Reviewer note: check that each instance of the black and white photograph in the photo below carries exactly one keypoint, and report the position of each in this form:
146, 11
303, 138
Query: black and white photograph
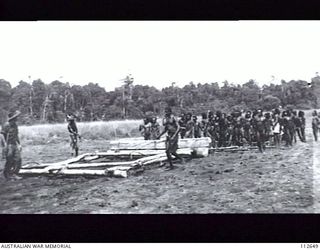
160, 117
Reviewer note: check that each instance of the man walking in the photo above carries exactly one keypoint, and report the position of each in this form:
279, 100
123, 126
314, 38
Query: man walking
171, 127
12, 147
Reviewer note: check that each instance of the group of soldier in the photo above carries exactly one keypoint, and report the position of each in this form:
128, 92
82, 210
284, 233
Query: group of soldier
239, 128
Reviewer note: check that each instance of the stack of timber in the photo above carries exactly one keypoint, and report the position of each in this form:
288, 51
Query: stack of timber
236, 148
125, 157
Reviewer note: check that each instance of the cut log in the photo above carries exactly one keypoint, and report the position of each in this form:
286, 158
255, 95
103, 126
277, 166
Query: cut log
64, 171
139, 162
159, 144
140, 152
122, 166
76, 162
236, 148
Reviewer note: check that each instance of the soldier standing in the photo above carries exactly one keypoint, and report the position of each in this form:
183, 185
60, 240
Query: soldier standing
73, 131
171, 127
12, 147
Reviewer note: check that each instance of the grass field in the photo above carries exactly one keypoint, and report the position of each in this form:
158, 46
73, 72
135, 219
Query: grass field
53, 133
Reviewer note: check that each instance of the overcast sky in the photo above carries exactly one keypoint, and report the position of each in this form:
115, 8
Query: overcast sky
158, 53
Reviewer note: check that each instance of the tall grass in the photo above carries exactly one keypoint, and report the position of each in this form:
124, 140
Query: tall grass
53, 133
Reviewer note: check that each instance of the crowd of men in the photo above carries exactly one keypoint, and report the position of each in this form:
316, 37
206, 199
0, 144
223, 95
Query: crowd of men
239, 128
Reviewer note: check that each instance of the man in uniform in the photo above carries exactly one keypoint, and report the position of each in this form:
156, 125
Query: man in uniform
12, 147
73, 131
171, 127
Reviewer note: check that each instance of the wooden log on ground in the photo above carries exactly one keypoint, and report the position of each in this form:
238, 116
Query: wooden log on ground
122, 172
82, 167
236, 148
159, 144
77, 162
139, 162
110, 172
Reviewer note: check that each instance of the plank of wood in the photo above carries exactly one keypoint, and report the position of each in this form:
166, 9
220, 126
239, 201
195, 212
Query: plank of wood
159, 144
64, 171
76, 162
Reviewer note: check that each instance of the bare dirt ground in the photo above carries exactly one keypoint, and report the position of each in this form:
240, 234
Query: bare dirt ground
279, 181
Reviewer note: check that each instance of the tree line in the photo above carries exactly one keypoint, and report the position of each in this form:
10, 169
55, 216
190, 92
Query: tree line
42, 102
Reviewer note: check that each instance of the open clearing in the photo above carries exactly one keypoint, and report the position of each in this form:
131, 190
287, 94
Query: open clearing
279, 181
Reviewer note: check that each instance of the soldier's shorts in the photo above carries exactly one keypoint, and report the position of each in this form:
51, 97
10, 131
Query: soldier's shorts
13, 160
